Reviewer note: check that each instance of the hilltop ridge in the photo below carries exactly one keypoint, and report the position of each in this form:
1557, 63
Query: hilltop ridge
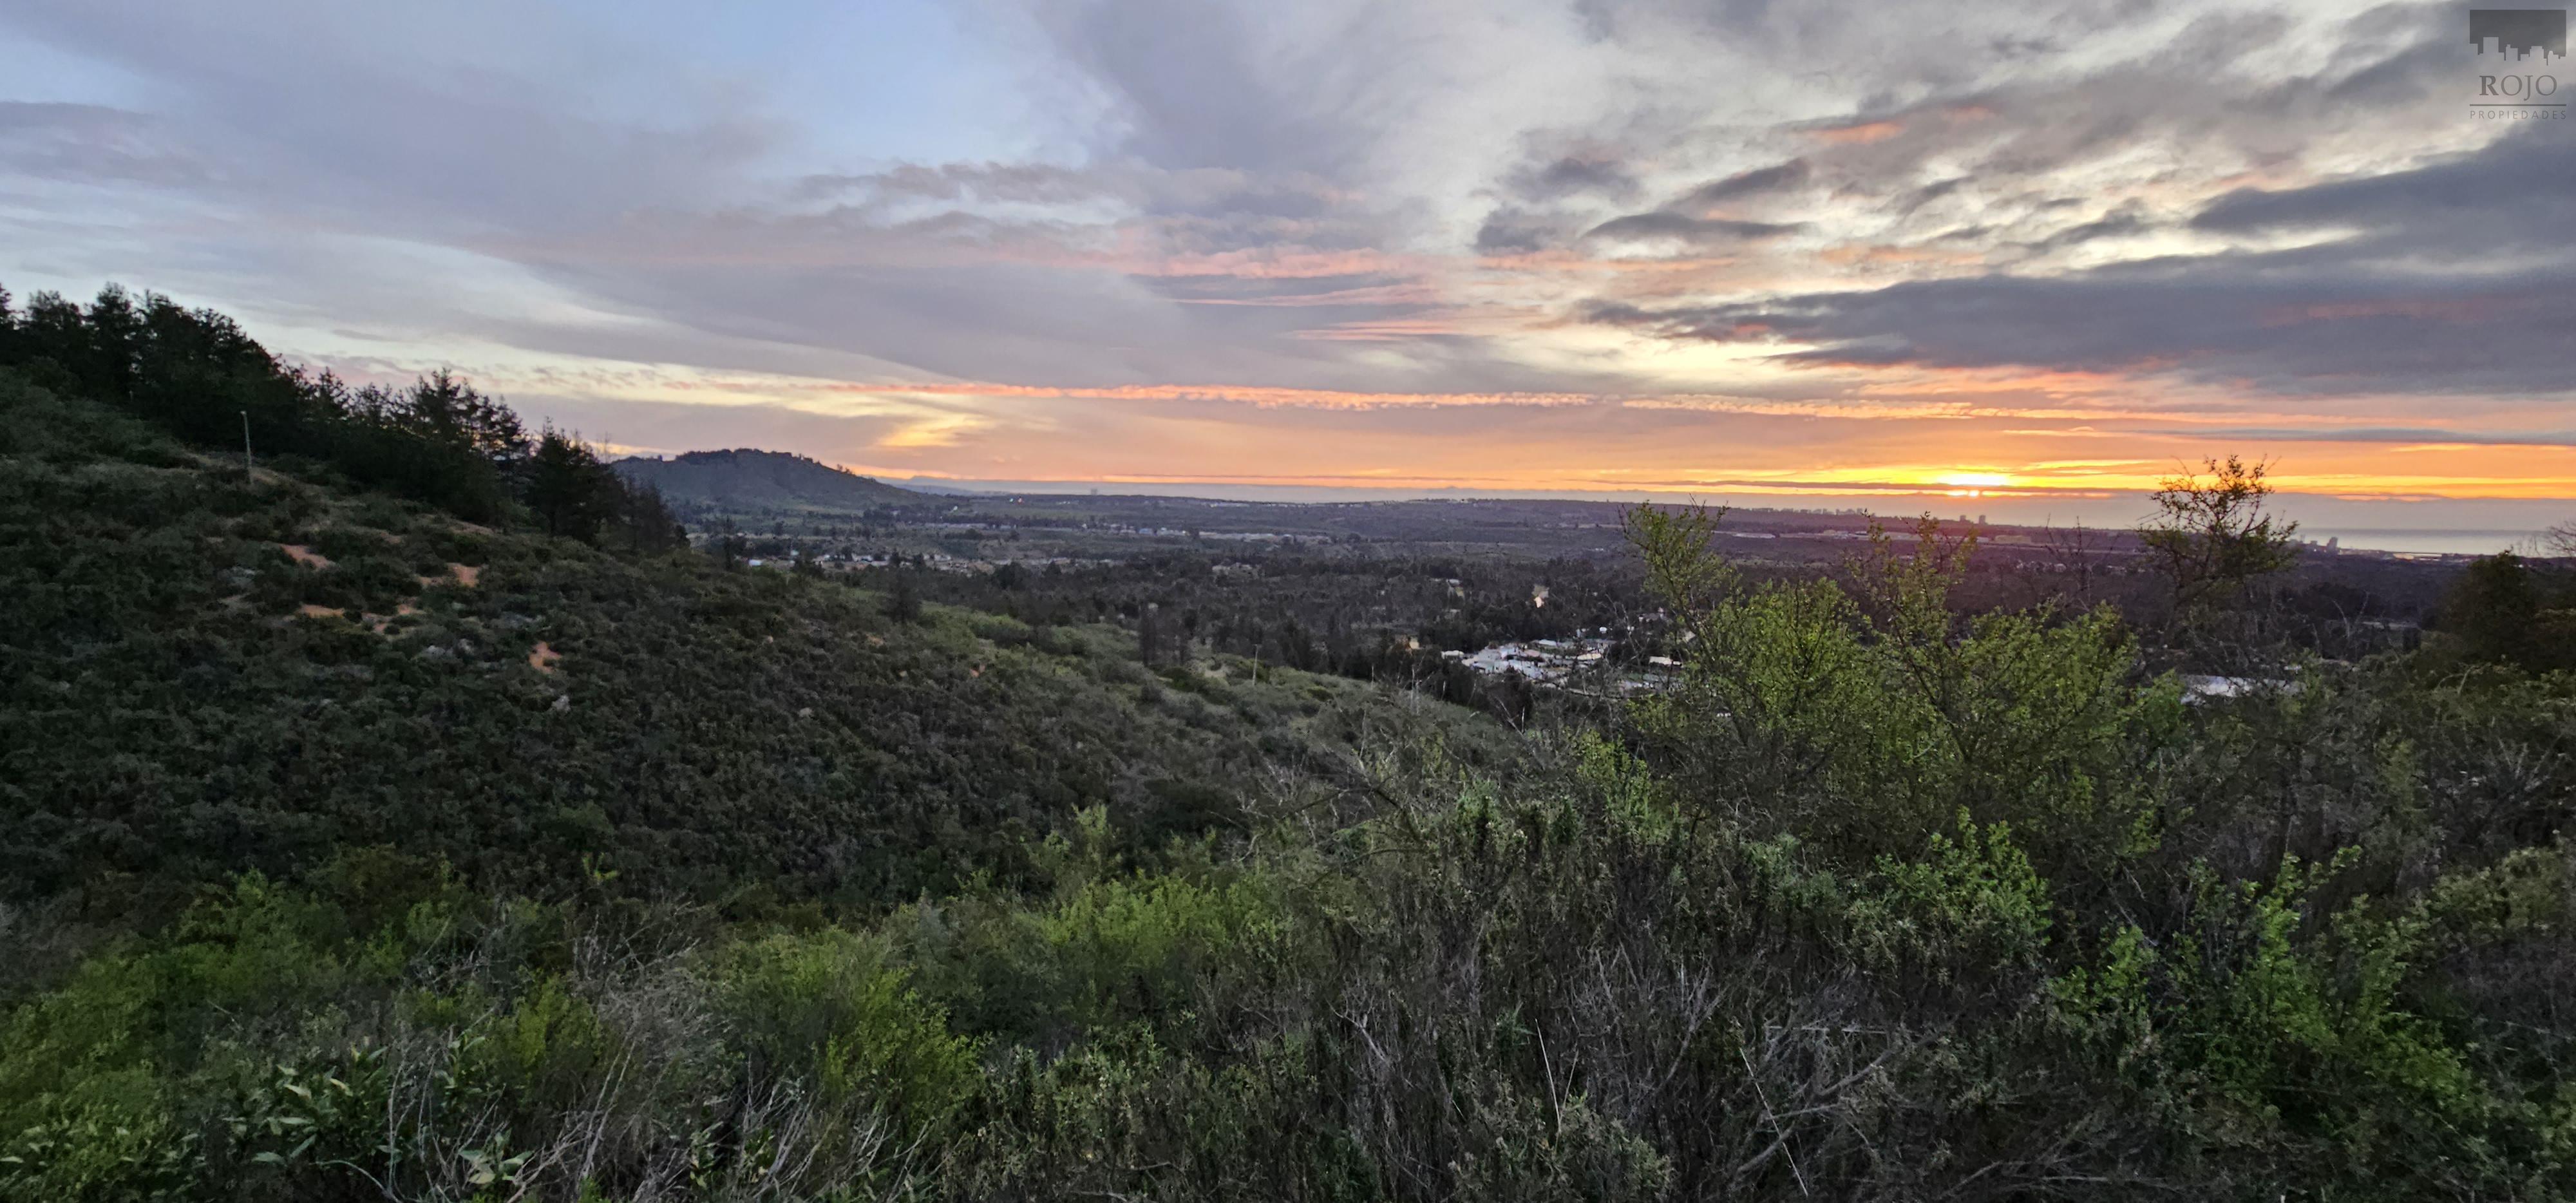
750, 478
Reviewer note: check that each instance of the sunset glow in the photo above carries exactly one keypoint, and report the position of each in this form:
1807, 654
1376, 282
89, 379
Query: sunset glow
1623, 249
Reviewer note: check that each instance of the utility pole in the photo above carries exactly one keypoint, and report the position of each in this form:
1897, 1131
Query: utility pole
247, 466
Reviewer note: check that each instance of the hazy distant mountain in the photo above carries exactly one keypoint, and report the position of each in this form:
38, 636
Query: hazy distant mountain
920, 485
748, 479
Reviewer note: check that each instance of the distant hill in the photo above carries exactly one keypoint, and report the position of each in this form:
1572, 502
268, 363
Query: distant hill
749, 479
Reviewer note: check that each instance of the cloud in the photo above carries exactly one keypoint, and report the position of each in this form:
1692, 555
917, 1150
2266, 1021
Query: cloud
1239, 394
1695, 231
1702, 232
1587, 170
2447, 278
1515, 231
1761, 181
1193, 87
1692, 221
2127, 221
2402, 435
2514, 199
2242, 321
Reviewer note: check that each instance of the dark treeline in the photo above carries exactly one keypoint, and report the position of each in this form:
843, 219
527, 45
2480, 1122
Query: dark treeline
2508, 610
196, 374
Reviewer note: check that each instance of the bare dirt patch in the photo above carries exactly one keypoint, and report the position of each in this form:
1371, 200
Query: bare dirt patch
309, 610
542, 658
463, 576
305, 555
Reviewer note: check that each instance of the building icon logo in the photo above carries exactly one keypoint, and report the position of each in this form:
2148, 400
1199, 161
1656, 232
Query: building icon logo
2515, 50
2519, 33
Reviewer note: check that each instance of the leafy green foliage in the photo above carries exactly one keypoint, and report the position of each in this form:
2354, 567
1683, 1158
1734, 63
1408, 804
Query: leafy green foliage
1863, 719
2211, 534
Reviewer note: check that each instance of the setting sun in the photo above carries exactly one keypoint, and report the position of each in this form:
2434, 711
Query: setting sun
1972, 481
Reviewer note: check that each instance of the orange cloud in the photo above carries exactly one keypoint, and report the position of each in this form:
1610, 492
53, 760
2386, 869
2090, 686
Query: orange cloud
1386, 294
1863, 254
1264, 396
1388, 331
1861, 134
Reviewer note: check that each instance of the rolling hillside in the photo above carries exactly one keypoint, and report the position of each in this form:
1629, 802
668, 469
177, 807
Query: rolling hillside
209, 675
746, 481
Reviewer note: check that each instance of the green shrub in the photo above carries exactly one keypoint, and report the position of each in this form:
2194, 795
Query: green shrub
831, 1010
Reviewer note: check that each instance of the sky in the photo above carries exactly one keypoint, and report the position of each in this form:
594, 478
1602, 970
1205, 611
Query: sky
2021, 259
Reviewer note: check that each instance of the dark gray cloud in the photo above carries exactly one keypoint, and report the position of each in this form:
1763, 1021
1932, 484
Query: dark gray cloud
1689, 220
2515, 197
2454, 279
1576, 174
1516, 231
1918, 197
2008, 161
2126, 221
2249, 320
1761, 181
1696, 231
2225, 92
1546, 198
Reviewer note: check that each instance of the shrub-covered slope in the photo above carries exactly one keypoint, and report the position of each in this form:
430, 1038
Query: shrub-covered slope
207, 674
